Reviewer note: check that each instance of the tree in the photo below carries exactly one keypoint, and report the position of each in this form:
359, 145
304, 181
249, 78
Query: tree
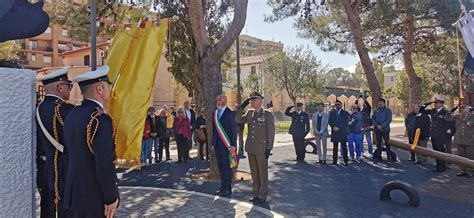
404, 28
334, 25
340, 77
252, 81
208, 56
296, 70
9, 55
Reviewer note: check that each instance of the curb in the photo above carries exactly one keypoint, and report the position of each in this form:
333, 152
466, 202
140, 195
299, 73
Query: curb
228, 200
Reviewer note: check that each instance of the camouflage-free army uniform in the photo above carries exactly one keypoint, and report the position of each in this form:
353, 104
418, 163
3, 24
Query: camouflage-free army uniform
260, 138
464, 136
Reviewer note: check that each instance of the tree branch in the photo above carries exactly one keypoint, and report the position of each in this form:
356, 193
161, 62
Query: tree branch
238, 22
201, 39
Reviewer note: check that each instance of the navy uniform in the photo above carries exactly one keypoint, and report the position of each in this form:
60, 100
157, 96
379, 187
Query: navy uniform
299, 129
51, 152
258, 145
89, 132
438, 131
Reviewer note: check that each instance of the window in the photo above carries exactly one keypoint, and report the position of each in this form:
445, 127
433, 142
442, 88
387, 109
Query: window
47, 59
33, 57
87, 60
62, 47
33, 45
392, 78
65, 32
48, 30
253, 69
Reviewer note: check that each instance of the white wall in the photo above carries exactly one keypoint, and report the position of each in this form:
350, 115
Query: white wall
17, 143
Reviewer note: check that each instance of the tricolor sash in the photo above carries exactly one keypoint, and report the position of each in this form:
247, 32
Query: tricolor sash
225, 139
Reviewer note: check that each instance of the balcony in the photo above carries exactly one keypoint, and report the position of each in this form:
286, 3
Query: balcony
35, 48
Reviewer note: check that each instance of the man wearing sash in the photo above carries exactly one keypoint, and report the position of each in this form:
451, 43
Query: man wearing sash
224, 141
91, 184
51, 155
259, 143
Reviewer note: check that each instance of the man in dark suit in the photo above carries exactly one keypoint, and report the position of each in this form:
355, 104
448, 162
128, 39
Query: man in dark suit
422, 122
152, 118
51, 151
438, 129
91, 184
299, 129
339, 122
224, 141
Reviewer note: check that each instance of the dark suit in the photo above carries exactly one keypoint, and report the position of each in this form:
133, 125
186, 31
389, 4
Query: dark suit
46, 170
299, 129
341, 121
438, 129
229, 125
91, 180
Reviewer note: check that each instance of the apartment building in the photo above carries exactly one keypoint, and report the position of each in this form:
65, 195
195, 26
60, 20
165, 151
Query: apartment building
252, 46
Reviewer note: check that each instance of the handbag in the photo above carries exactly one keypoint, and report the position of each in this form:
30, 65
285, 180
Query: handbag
201, 135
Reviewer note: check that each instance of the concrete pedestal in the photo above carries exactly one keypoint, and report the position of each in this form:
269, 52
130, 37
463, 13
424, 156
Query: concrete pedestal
17, 143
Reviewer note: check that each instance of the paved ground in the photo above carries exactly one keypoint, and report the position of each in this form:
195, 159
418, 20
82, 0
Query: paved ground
298, 189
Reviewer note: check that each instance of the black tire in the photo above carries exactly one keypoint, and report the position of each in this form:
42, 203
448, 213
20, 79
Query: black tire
413, 197
310, 143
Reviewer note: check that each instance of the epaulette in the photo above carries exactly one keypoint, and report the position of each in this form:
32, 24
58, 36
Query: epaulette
93, 126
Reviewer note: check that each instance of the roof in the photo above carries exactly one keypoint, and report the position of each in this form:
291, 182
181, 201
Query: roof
101, 46
251, 60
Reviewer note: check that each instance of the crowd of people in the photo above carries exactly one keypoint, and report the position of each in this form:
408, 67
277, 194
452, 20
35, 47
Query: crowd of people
348, 129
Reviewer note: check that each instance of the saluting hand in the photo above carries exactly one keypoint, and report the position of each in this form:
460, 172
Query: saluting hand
110, 209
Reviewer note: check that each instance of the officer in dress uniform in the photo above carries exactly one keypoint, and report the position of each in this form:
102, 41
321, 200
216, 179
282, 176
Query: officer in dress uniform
259, 143
91, 184
51, 152
299, 129
438, 129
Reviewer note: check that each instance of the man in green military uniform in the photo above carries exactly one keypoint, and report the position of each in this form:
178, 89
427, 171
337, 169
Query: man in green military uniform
464, 136
259, 143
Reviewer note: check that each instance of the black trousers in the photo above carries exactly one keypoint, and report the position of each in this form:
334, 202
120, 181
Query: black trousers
164, 144
44, 204
300, 149
379, 135
183, 147
83, 215
201, 150
438, 143
335, 151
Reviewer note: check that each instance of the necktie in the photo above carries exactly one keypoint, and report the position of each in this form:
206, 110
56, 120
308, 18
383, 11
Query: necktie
219, 113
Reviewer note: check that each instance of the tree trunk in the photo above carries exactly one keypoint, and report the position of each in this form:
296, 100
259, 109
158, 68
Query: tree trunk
415, 81
208, 61
362, 51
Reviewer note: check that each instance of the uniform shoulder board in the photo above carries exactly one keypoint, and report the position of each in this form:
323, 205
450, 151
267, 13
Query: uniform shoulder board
250, 110
267, 111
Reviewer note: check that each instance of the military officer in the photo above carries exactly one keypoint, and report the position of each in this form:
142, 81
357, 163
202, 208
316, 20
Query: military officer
438, 129
91, 184
464, 136
259, 143
299, 129
51, 152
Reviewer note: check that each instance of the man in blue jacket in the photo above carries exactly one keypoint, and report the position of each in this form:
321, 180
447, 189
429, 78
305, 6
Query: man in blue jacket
224, 141
381, 120
355, 133
339, 121
299, 129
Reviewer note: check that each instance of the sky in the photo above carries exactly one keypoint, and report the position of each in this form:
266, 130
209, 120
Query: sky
284, 32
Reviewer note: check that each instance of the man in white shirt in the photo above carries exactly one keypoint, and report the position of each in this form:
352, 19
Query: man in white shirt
320, 131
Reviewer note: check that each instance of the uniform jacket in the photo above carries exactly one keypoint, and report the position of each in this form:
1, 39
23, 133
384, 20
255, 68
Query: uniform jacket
46, 148
324, 122
464, 128
382, 117
91, 180
299, 123
340, 121
261, 130
423, 122
227, 121
439, 126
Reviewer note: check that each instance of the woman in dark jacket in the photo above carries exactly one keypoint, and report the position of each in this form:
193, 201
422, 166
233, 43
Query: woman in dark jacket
201, 135
163, 136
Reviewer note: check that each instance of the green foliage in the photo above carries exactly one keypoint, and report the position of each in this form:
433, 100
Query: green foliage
76, 18
252, 82
180, 51
401, 88
340, 77
9, 50
296, 70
